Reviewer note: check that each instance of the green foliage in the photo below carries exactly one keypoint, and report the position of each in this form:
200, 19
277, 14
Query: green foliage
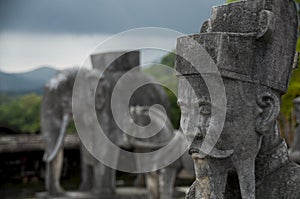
169, 60
230, 1
21, 113
4, 98
292, 92
168, 78
71, 128
175, 110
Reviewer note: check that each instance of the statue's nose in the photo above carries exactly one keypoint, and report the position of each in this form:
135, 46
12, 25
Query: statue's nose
196, 144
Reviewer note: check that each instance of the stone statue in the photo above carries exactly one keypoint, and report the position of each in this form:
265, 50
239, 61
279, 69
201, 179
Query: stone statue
56, 115
252, 43
294, 151
161, 183
115, 65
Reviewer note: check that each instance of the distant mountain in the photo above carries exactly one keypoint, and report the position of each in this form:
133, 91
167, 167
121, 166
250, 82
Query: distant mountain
27, 82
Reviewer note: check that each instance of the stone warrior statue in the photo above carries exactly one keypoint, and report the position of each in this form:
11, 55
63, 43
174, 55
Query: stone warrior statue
252, 42
294, 151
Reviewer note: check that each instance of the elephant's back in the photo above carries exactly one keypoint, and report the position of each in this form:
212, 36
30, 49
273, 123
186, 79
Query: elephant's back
147, 94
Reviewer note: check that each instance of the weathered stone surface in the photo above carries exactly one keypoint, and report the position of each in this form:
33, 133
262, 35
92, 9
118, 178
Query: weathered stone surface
212, 172
116, 61
240, 47
274, 24
253, 45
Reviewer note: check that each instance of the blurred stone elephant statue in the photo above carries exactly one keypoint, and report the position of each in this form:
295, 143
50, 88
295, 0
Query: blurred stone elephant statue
162, 182
56, 115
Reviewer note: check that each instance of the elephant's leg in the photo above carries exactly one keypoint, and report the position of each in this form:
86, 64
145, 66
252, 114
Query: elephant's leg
53, 174
104, 180
152, 183
167, 177
87, 174
246, 174
139, 181
86, 177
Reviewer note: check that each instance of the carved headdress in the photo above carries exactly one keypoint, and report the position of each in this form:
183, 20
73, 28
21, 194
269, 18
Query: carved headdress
249, 41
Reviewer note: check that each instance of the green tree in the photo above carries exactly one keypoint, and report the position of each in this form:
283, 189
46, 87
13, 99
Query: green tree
4, 98
169, 60
168, 78
22, 113
230, 1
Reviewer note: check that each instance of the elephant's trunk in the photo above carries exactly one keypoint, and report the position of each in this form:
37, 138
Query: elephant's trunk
60, 139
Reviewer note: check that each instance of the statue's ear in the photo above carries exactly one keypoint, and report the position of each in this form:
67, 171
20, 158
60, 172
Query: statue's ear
268, 111
206, 26
266, 24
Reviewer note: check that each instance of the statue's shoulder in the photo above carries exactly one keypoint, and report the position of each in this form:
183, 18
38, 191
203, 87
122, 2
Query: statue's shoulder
282, 183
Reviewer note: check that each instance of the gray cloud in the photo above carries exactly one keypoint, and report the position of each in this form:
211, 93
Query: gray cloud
102, 16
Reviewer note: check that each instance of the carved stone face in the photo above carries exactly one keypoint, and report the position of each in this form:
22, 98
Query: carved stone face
195, 113
239, 130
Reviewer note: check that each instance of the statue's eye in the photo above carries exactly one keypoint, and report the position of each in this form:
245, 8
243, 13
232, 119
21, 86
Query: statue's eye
205, 109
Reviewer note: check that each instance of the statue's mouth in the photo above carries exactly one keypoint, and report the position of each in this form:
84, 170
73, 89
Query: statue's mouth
214, 153
193, 150
196, 154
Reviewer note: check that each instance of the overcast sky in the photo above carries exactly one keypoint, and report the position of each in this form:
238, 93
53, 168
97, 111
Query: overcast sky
61, 33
